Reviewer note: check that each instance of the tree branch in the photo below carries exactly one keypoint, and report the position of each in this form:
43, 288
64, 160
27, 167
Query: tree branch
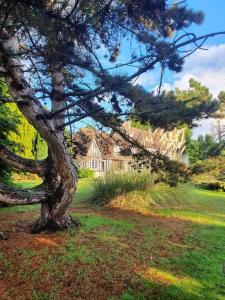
10, 195
33, 166
141, 70
95, 93
73, 121
11, 100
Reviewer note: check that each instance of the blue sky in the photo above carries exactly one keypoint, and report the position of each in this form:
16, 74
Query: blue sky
214, 21
213, 62
214, 17
208, 67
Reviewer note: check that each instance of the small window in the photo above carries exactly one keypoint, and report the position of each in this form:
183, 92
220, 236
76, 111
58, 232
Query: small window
94, 164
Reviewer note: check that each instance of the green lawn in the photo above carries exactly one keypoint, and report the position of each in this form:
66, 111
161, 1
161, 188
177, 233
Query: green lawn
174, 248
84, 192
196, 269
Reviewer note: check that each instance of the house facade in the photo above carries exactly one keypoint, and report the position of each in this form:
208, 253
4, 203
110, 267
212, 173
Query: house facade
101, 152
98, 151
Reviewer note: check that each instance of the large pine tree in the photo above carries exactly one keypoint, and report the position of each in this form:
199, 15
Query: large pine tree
81, 58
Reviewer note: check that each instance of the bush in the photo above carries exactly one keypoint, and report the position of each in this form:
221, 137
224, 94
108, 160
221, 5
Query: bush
173, 173
85, 173
204, 166
221, 177
213, 185
209, 174
160, 195
114, 184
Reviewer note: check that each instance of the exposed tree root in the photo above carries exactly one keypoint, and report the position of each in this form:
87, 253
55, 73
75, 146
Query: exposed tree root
65, 223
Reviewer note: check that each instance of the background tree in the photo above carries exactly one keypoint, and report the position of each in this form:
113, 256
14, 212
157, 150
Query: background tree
31, 144
220, 119
9, 122
203, 148
51, 56
177, 108
17, 135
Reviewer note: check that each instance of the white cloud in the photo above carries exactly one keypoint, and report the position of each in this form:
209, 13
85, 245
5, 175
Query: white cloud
206, 66
146, 80
207, 126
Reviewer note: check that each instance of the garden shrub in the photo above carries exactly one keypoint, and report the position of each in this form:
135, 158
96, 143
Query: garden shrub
214, 185
85, 173
174, 173
117, 183
209, 174
159, 195
204, 166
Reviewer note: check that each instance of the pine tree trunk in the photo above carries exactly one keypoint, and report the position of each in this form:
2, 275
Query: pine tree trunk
58, 188
59, 177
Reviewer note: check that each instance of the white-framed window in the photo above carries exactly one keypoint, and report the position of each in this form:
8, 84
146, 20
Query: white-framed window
104, 165
95, 164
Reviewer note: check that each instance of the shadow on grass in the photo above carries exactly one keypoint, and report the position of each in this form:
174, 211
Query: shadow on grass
194, 266
150, 254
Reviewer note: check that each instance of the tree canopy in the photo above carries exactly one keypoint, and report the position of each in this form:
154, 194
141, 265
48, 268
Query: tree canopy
202, 148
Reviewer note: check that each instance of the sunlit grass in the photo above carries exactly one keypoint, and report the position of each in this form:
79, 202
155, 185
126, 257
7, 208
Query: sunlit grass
193, 268
92, 222
84, 192
167, 278
170, 245
158, 196
194, 217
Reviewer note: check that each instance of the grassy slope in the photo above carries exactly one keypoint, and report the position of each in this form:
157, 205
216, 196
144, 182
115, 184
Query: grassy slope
174, 249
196, 265
202, 257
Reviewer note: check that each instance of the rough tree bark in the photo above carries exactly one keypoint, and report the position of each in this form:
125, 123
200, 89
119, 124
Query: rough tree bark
58, 171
